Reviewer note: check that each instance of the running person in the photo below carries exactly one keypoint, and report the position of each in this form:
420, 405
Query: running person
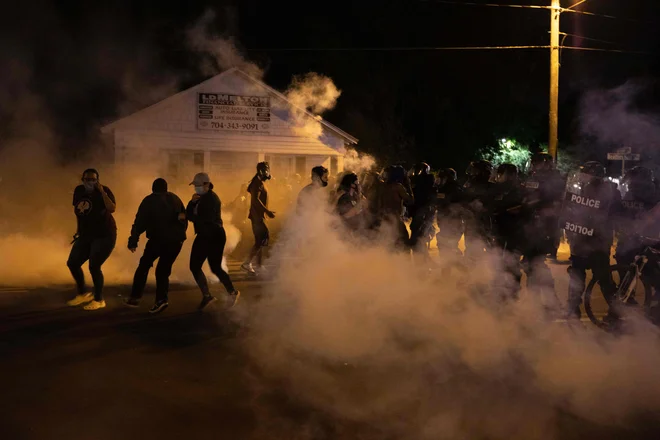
258, 212
204, 211
95, 238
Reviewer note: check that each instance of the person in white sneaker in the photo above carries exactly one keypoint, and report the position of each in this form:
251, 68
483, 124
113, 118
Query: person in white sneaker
95, 238
258, 213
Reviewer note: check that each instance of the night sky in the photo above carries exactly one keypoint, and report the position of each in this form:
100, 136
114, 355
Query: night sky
77, 57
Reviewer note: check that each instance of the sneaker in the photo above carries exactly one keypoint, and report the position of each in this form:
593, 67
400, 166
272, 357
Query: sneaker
95, 305
248, 268
206, 301
159, 307
80, 299
132, 302
232, 298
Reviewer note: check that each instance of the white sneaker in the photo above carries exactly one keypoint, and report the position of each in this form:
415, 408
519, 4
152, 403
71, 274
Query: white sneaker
80, 299
95, 305
248, 268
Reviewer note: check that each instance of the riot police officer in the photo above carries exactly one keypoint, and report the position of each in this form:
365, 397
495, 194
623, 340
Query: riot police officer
505, 208
423, 209
393, 195
477, 191
640, 198
588, 219
449, 210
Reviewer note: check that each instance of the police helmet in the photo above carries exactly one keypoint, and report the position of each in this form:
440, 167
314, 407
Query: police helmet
480, 169
320, 173
507, 172
593, 168
449, 174
396, 174
639, 175
263, 170
421, 168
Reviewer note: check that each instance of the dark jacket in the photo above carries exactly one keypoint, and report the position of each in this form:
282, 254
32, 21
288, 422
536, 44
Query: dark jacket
205, 213
159, 216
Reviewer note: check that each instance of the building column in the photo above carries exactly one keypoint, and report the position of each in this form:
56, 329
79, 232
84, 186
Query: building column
261, 157
207, 161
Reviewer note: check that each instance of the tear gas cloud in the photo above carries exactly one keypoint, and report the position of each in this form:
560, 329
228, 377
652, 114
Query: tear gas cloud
364, 335
314, 93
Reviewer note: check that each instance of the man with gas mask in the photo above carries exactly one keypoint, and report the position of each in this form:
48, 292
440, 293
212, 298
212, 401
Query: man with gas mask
477, 192
393, 195
205, 212
95, 237
163, 217
449, 210
631, 222
544, 191
258, 213
350, 202
423, 209
311, 195
588, 219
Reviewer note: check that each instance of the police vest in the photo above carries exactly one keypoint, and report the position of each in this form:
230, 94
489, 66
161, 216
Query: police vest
586, 216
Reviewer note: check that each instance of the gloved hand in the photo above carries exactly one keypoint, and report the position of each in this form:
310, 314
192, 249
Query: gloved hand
132, 244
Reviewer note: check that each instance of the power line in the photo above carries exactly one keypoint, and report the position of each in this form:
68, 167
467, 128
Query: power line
595, 49
492, 5
576, 4
611, 17
589, 39
392, 49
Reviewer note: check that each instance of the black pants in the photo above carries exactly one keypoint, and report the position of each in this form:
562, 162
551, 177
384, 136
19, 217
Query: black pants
599, 263
96, 250
419, 230
261, 239
166, 253
209, 247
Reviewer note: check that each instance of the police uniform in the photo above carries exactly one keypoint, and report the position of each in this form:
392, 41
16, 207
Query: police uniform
476, 197
588, 219
449, 215
423, 208
636, 204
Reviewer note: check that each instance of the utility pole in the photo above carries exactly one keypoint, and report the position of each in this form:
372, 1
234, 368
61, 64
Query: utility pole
555, 12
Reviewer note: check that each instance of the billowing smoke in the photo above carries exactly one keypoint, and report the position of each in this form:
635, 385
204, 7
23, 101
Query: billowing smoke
311, 93
220, 53
363, 335
357, 162
614, 118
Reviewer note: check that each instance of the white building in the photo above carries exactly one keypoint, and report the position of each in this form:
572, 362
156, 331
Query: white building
225, 124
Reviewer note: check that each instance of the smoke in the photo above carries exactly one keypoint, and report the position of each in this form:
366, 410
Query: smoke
365, 336
314, 93
220, 53
614, 118
358, 163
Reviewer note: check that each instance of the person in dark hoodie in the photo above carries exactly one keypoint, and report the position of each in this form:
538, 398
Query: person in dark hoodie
258, 212
95, 237
204, 211
423, 210
163, 217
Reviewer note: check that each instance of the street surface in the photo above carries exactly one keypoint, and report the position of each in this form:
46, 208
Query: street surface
120, 373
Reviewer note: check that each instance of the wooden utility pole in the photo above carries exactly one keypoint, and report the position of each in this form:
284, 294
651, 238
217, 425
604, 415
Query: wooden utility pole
555, 12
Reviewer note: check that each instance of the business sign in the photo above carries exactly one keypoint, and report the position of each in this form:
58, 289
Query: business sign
622, 156
233, 113
624, 150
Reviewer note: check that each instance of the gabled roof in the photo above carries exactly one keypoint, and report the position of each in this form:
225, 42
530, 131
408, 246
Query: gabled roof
341, 133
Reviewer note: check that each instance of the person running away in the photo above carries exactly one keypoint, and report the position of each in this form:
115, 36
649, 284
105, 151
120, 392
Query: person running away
258, 213
204, 211
312, 193
163, 217
95, 237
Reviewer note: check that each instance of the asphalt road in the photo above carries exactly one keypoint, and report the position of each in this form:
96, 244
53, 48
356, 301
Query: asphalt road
120, 373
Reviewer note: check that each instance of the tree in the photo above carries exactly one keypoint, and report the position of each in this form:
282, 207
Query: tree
506, 151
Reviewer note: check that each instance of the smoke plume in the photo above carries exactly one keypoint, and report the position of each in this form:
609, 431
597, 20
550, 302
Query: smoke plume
314, 93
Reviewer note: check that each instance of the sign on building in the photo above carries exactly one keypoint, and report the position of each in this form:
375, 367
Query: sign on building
233, 113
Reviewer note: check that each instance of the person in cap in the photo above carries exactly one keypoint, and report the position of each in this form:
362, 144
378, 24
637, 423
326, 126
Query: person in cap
258, 213
95, 237
163, 217
204, 211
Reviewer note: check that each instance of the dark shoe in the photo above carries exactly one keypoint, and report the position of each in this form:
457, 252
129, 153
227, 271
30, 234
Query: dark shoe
132, 302
159, 307
208, 299
232, 298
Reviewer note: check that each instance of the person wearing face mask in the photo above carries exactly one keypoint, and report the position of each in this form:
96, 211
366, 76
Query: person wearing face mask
95, 238
258, 213
163, 217
310, 195
349, 204
204, 211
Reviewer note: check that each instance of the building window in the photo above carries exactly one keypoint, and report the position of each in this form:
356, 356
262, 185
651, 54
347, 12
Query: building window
301, 165
198, 160
334, 166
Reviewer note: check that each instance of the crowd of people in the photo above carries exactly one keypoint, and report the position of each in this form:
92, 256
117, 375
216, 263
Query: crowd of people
499, 212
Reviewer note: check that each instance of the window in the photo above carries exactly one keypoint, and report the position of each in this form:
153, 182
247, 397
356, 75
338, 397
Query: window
301, 165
